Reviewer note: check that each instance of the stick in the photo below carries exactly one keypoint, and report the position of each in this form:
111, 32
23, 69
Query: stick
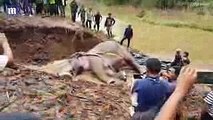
7, 105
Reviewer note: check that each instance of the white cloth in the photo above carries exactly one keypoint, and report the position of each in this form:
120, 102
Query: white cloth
3, 61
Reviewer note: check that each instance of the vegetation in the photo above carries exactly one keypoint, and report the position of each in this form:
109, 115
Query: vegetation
163, 4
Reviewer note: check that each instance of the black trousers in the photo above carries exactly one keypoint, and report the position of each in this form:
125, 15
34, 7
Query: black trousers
39, 8
83, 21
52, 9
89, 24
125, 39
73, 16
62, 10
97, 24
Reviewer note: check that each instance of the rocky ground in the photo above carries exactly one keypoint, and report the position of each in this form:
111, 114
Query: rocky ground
37, 41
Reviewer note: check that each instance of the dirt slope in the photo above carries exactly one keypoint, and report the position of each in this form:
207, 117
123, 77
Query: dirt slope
36, 40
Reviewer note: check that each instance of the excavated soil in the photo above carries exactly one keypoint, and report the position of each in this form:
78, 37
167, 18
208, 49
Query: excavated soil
39, 41
54, 98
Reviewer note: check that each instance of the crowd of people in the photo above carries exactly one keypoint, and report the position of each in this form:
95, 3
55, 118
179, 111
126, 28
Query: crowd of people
32, 7
88, 17
181, 59
91, 20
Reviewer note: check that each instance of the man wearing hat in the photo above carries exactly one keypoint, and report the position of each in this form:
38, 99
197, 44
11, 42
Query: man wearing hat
150, 93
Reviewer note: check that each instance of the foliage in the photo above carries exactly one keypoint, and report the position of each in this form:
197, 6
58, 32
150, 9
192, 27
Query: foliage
163, 4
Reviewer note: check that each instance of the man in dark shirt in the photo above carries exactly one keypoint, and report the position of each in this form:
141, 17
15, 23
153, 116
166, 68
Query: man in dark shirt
110, 21
128, 34
97, 18
178, 61
74, 9
82, 13
150, 92
39, 6
186, 60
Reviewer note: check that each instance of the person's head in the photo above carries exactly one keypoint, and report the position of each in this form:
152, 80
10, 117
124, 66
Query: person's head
109, 14
129, 26
185, 54
90, 9
178, 51
173, 73
153, 66
98, 12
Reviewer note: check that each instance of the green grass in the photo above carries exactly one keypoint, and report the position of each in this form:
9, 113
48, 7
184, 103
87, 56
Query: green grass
174, 29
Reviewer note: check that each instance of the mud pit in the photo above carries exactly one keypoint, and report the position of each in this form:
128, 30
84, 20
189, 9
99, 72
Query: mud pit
41, 41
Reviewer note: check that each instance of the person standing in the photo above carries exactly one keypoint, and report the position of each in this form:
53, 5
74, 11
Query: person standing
52, 7
178, 61
39, 6
82, 13
110, 21
45, 8
89, 18
186, 60
62, 4
27, 7
97, 18
74, 10
128, 34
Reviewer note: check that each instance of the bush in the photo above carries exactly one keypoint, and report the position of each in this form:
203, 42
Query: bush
114, 2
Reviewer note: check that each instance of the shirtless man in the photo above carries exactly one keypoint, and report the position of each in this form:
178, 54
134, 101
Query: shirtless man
104, 60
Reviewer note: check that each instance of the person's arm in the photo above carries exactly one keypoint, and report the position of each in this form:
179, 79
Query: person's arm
125, 32
101, 18
8, 52
131, 33
79, 12
113, 21
105, 24
184, 83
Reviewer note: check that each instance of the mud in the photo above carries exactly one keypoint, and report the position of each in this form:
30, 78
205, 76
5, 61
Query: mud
61, 98
37, 41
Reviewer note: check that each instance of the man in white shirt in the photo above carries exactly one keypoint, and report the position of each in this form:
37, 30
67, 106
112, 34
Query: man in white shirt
89, 18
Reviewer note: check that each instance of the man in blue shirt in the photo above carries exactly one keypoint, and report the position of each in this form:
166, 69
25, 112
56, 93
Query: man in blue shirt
150, 92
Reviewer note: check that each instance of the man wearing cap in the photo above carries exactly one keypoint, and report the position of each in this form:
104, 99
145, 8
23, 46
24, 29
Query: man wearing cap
150, 92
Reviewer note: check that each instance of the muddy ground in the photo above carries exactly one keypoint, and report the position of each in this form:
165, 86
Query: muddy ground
39, 41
